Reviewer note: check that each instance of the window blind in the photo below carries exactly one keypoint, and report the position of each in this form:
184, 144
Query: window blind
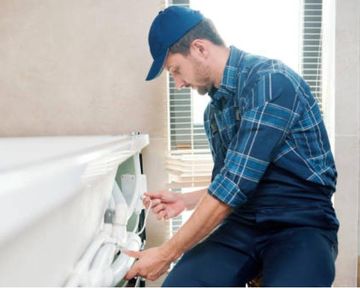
184, 133
189, 161
312, 46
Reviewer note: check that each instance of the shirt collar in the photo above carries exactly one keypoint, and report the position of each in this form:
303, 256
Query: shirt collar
228, 83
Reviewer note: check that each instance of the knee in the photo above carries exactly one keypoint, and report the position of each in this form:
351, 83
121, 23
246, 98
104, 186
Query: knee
180, 278
171, 281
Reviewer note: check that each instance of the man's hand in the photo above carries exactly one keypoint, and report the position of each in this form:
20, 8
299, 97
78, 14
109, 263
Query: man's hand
154, 262
165, 204
151, 263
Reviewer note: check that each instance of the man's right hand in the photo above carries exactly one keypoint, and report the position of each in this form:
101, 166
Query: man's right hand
164, 204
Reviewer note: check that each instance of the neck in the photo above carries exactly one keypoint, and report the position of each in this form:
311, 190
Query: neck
219, 59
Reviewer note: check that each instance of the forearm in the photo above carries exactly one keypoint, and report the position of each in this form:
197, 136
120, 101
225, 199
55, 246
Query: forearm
191, 199
208, 214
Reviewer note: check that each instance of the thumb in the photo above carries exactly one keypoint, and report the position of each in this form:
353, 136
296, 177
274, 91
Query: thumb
155, 195
131, 253
131, 273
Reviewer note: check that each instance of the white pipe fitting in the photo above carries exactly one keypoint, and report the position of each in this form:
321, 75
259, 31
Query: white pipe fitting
123, 262
84, 263
97, 267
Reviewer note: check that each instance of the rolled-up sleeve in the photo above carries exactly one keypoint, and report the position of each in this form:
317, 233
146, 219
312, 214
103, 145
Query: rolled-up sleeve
273, 108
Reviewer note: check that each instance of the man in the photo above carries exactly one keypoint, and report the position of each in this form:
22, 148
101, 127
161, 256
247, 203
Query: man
268, 209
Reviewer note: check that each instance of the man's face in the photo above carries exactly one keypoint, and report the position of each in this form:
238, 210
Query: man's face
189, 71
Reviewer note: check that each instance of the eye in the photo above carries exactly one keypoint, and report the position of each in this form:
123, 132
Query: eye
175, 71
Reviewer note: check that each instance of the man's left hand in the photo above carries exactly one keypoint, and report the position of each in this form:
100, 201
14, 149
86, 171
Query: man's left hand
151, 263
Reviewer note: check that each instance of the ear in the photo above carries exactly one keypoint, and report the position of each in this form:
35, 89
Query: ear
200, 48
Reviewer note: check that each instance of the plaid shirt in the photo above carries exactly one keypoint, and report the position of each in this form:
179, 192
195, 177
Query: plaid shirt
263, 118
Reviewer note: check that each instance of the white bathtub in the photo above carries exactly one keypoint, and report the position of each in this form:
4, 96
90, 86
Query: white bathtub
53, 194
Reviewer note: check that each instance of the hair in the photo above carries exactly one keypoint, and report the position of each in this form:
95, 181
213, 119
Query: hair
204, 30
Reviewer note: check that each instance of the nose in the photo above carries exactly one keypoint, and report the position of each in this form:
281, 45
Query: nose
179, 83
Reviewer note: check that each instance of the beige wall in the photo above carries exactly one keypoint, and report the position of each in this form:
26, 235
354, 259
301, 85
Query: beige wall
76, 67
347, 135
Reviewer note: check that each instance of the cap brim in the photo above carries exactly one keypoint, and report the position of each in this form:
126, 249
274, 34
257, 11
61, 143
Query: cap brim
157, 67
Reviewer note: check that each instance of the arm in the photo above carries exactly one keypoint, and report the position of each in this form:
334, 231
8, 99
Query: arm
167, 204
191, 199
209, 213
154, 262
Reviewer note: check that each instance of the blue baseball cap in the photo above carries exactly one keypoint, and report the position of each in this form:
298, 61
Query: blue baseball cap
169, 26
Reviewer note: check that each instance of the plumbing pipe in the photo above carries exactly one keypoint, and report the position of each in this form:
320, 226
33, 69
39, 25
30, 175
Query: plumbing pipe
118, 196
104, 256
121, 216
97, 275
106, 272
84, 263
123, 262
119, 227
97, 267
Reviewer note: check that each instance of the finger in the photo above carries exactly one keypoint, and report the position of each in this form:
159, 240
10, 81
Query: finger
146, 202
155, 202
152, 277
170, 213
153, 195
158, 208
131, 253
157, 213
133, 272
154, 206
161, 215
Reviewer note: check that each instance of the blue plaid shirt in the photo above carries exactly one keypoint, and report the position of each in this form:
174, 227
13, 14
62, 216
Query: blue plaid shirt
267, 137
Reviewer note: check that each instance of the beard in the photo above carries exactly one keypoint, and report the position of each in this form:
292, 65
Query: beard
202, 76
203, 90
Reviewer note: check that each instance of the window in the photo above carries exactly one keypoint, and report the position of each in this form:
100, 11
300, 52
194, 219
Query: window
186, 129
312, 46
289, 30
